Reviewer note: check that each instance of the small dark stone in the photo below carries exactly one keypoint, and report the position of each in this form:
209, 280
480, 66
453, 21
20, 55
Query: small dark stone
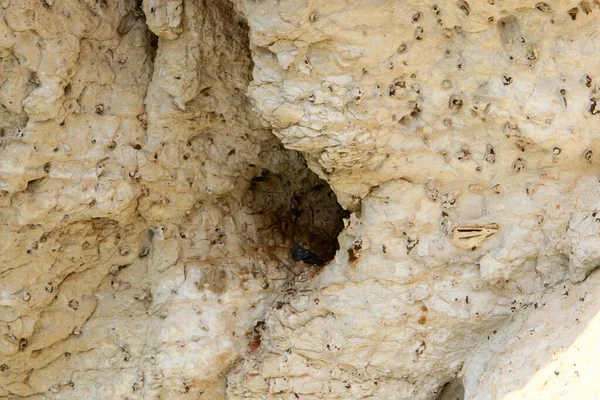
301, 254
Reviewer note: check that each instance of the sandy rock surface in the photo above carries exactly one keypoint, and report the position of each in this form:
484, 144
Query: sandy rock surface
158, 158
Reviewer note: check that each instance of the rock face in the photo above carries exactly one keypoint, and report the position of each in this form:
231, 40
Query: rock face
158, 159
147, 215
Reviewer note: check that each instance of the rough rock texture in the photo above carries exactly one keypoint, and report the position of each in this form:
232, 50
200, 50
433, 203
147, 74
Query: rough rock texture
463, 137
549, 352
147, 216
148, 210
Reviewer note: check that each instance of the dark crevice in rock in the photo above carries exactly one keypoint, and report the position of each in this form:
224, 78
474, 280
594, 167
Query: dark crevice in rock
152, 44
304, 210
453, 390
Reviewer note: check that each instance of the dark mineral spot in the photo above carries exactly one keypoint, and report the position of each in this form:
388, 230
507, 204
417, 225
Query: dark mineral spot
301, 254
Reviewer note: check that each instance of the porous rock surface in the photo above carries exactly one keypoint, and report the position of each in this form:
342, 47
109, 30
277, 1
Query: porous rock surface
159, 158
147, 215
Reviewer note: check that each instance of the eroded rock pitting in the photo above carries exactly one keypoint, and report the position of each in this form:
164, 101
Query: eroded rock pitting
148, 210
148, 216
462, 135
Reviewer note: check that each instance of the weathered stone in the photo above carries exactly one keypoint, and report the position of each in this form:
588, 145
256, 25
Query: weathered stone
159, 159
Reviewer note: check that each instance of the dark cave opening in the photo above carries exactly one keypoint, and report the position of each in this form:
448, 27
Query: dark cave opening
300, 209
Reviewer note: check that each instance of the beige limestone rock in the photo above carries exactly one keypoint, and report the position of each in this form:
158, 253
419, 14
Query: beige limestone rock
429, 120
147, 216
154, 172
548, 352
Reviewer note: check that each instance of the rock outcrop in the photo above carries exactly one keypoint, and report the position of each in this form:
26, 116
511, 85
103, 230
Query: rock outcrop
159, 158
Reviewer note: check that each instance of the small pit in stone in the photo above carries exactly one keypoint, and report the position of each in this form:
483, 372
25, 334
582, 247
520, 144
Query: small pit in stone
453, 390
